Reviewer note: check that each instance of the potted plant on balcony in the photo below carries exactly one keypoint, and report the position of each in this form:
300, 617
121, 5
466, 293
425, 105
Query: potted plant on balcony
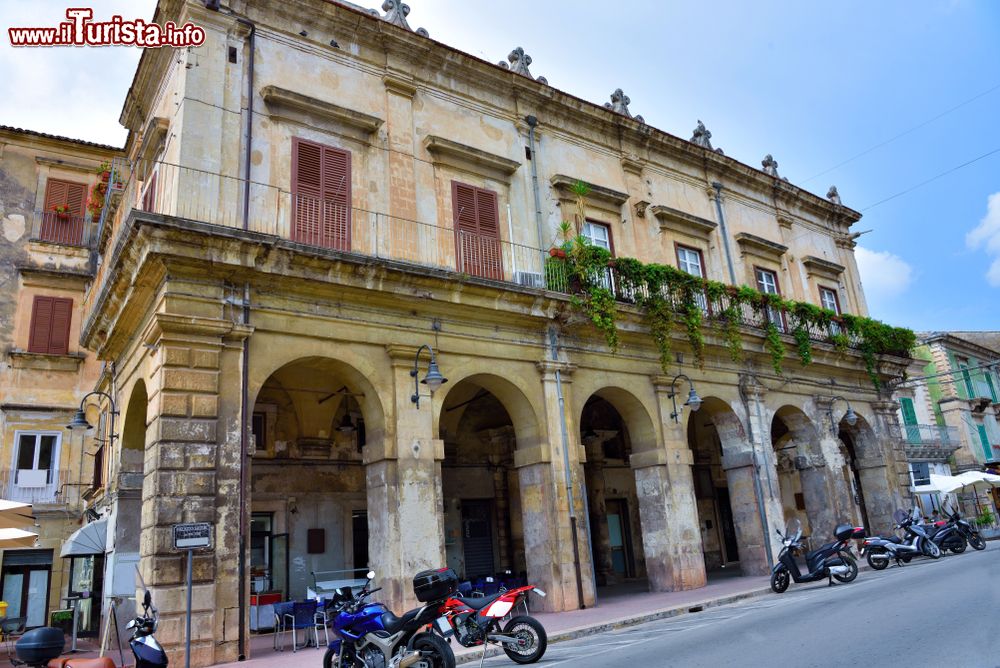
104, 171
61, 211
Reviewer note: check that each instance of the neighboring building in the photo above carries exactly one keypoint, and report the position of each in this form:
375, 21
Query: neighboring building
957, 407
46, 266
259, 300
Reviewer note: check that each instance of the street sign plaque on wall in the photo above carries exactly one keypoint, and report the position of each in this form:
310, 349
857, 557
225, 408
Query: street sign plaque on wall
192, 536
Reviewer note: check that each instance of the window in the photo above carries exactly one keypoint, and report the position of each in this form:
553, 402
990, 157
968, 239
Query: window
767, 283
963, 364
477, 231
828, 299
258, 427
50, 321
149, 194
63, 213
599, 234
35, 459
321, 195
689, 261
921, 473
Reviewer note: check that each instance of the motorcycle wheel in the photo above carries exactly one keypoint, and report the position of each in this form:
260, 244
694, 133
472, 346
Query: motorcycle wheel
880, 564
330, 659
780, 580
851, 573
977, 542
529, 631
439, 654
959, 547
930, 549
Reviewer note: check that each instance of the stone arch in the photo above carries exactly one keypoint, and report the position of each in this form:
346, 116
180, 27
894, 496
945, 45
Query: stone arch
871, 479
806, 486
507, 391
637, 419
133, 444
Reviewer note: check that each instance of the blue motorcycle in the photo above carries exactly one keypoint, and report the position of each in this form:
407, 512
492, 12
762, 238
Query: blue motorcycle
369, 635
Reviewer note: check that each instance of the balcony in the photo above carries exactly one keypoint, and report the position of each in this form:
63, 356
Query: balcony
929, 442
34, 486
333, 229
65, 230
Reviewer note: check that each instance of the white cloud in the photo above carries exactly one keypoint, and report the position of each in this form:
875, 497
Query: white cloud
883, 274
987, 235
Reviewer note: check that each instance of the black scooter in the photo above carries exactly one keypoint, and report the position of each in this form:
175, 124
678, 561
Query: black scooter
831, 561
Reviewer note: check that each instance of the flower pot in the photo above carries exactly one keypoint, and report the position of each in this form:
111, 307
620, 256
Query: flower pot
106, 176
557, 252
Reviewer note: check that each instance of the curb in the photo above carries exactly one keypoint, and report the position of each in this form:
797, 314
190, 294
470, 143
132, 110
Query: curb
475, 654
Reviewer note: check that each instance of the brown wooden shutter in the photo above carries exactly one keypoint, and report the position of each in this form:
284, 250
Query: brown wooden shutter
41, 325
321, 195
477, 231
56, 193
63, 229
489, 234
149, 196
50, 322
76, 198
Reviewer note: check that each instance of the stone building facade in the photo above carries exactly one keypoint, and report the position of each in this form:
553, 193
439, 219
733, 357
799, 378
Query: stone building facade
46, 266
319, 192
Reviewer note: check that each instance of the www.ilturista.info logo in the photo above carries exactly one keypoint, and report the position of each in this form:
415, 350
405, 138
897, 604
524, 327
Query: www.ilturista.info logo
80, 30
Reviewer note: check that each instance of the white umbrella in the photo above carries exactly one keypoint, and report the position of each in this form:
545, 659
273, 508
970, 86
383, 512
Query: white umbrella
17, 538
978, 481
944, 484
14, 515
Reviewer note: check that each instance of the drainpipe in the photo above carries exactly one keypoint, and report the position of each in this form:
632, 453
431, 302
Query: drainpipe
722, 228
761, 509
554, 347
532, 122
245, 362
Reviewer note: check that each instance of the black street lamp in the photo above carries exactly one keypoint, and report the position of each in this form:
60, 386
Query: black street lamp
432, 379
693, 400
80, 423
850, 416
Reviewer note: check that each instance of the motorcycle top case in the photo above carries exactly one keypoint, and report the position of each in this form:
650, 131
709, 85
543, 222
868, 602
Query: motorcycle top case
435, 584
843, 531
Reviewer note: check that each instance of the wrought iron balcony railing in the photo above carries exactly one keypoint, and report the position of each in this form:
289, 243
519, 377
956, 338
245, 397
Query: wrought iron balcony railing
35, 486
929, 441
62, 229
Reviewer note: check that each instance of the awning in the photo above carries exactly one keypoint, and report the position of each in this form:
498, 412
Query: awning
17, 538
89, 539
15, 515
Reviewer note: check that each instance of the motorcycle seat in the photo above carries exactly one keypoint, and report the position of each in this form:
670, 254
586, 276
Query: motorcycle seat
478, 602
894, 539
390, 622
72, 662
820, 549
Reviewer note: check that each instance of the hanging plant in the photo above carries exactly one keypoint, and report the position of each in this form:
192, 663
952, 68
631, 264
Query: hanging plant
775, 346
728, 324
840, 342
802, 343
692, 317
660, 318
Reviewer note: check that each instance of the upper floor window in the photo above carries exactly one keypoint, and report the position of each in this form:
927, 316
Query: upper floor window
963, 364
63, 214
477, 231
598, 234
767, 283
829, 300
36, 459
50, 321
321, 195
689, 261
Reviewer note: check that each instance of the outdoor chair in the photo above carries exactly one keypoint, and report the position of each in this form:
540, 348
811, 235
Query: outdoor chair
280, 610
302, 617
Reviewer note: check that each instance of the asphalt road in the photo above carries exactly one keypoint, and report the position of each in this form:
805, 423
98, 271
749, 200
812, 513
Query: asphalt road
926, 613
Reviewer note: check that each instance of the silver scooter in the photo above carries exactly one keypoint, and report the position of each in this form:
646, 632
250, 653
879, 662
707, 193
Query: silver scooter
880, 549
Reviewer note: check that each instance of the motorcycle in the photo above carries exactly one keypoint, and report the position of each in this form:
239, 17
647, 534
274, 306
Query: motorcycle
476, 622
831, 561
880, 549
946, 535
965, 529
369, 635
40, 647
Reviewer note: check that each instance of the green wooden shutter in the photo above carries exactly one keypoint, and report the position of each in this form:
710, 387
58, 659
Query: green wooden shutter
989, 382
909, 420
984, 439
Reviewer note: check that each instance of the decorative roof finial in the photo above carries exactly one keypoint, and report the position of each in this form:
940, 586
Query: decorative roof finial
770, 165
833, 195
702, 137
619, 104
396, 12
519, 62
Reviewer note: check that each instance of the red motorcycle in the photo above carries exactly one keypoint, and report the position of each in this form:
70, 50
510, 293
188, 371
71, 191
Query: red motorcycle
476, 621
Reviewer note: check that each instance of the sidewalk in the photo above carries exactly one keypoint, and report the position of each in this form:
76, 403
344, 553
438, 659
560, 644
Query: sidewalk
624, 606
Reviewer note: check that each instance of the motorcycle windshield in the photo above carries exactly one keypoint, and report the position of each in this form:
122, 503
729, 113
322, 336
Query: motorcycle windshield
793, 530
899, 516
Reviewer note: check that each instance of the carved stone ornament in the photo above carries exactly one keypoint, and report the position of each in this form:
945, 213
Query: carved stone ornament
770, 165
833, 195
701, 136
640, 208
519, 62
619, 104
396, 12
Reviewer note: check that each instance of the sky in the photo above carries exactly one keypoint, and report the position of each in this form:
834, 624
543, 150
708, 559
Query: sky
887, 100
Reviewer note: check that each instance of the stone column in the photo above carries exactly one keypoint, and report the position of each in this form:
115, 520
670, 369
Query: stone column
668, 509
548, 543
405, 503
895, 478
597, 505
836, 492
192, 475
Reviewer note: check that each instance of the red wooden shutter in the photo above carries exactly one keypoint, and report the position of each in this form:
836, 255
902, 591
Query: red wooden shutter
49, 329
321, 195
66, 229
56, 193
62, 316
489, 234
41, 325
76, 198
477, 230
149, 196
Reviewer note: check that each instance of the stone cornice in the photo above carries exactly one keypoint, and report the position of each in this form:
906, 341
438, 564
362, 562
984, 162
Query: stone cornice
817, 266
597, 194
676, 220
548, 368
20, 359
469, 158
751, 244
73, 279
282, 98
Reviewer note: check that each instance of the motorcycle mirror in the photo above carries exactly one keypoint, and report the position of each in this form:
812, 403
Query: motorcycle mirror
371, 575
147, 600
489, 579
